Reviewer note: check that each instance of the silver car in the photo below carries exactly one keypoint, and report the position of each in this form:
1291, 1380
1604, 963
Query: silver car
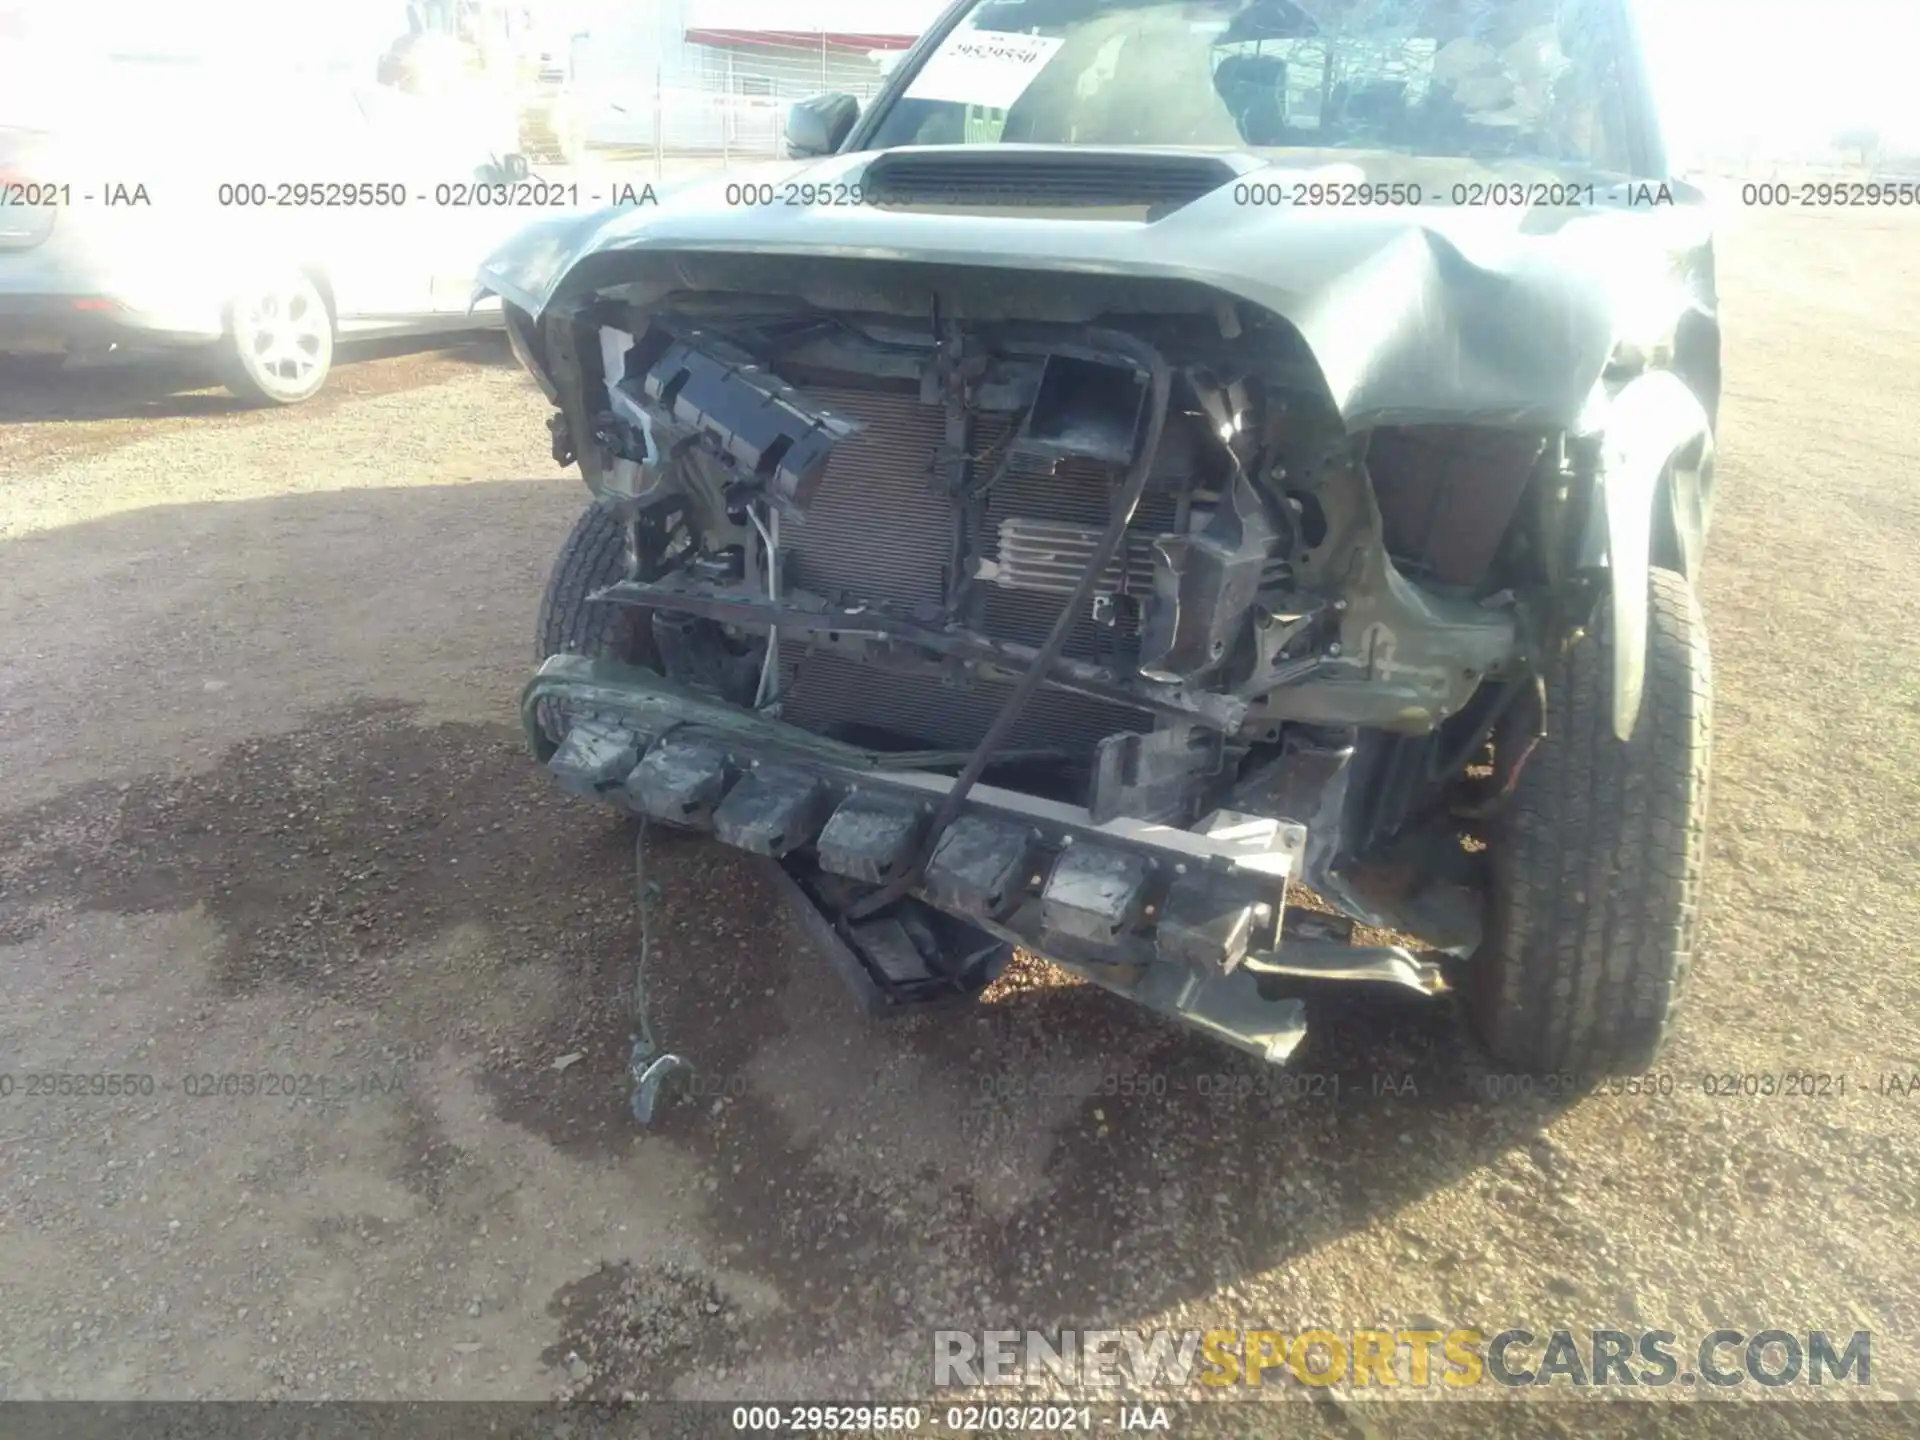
148, 203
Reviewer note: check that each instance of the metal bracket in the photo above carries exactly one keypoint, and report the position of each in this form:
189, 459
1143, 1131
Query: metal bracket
649, 1072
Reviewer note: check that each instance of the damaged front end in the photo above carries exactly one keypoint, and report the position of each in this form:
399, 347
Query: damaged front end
1091, 636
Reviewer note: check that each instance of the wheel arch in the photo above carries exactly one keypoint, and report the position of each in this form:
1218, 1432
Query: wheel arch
1656, 488
324, 284
312, 270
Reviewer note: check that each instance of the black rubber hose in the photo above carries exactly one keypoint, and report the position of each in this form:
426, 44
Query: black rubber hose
1160, 387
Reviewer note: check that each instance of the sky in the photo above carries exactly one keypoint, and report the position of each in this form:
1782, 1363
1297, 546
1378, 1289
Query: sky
1784, 73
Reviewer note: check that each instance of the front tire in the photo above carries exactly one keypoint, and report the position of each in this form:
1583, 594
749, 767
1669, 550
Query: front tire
1597, 859
593, 557
279, 344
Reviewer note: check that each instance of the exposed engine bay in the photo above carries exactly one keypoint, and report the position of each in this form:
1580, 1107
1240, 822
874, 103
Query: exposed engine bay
1137, 577
882, 529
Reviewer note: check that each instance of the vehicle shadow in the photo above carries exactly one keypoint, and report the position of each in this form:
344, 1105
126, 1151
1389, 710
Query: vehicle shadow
1069, 1158
187, 383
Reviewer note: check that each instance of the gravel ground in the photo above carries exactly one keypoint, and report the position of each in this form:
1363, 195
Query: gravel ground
265, 812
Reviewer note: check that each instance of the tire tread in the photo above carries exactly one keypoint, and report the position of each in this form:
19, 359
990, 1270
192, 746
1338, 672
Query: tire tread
1598, 863
593, 556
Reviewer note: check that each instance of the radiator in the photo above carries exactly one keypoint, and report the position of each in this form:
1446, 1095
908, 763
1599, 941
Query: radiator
878, 528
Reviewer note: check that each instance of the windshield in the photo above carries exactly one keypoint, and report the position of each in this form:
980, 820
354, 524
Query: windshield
1486, 79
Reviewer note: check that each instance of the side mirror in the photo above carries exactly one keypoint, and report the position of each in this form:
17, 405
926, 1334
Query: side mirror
818, 125
503, 170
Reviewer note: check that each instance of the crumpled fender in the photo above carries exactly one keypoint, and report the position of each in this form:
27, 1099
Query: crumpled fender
1656, 431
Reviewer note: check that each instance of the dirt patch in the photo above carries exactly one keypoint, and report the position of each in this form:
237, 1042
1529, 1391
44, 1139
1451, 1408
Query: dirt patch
625, 1327
863, 1174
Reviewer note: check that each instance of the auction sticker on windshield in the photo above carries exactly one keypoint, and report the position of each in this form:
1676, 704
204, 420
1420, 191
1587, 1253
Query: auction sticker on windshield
983, 67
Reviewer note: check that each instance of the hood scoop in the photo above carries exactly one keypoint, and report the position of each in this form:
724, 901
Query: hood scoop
1138, 184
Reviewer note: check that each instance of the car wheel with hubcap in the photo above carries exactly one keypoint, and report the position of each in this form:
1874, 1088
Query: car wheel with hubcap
1597, 859
279, 342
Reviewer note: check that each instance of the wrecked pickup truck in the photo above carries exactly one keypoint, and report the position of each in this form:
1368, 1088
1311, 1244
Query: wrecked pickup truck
1163, 453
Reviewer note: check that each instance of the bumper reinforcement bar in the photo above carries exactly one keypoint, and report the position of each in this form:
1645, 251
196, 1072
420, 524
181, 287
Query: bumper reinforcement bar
1187, 922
